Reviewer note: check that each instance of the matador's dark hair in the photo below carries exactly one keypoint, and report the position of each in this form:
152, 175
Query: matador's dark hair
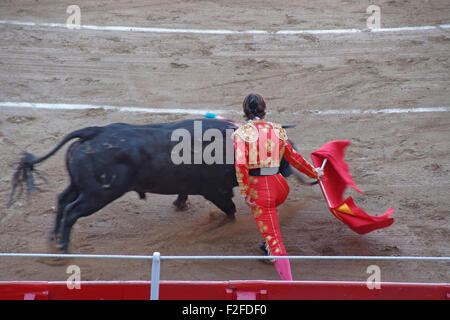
254, 106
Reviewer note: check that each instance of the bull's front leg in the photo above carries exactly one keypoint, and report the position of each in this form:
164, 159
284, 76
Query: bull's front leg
180, 202
224, 202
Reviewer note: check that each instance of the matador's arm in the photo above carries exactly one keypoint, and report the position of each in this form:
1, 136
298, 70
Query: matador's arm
298, 162
240, 163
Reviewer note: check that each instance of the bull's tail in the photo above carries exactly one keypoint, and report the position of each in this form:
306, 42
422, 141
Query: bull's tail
26, 172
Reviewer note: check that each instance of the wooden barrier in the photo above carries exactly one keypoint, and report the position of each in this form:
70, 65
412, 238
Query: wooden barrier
223, 290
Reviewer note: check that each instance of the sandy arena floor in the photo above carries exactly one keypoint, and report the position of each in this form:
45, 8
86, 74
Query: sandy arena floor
399, 160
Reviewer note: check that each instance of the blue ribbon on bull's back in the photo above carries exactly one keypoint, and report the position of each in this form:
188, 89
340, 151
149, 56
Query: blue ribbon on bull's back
210, 115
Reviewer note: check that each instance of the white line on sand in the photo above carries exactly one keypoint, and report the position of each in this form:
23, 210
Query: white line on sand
65, 106
380, 111
224, 31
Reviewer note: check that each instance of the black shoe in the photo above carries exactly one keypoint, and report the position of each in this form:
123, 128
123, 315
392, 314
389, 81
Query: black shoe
264, 248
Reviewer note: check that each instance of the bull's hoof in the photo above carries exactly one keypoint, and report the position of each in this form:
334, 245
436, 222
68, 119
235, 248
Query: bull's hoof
53, 237
228, 219
63, 247
180, 206
51, 243
231, 217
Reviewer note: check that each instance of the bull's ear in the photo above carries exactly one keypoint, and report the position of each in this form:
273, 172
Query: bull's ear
286, 126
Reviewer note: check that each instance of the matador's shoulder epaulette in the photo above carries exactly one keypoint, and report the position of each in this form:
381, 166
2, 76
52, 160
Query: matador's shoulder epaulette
279, 131
248, 132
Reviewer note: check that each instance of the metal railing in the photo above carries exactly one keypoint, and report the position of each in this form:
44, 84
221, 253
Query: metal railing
157, 257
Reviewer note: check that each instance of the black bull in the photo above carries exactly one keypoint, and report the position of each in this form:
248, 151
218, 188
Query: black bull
107, 162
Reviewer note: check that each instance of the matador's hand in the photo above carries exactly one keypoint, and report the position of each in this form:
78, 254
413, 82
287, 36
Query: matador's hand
319, 172
249, 202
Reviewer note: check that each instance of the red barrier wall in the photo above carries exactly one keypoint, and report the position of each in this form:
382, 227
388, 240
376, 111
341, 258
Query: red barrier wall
223, 290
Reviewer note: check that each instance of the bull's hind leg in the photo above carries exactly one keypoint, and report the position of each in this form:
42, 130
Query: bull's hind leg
64, 198
85, 205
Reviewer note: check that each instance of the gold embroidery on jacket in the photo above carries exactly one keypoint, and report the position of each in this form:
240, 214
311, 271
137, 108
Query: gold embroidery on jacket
248, 132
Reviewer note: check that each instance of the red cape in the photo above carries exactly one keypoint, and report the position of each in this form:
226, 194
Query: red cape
334, 183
